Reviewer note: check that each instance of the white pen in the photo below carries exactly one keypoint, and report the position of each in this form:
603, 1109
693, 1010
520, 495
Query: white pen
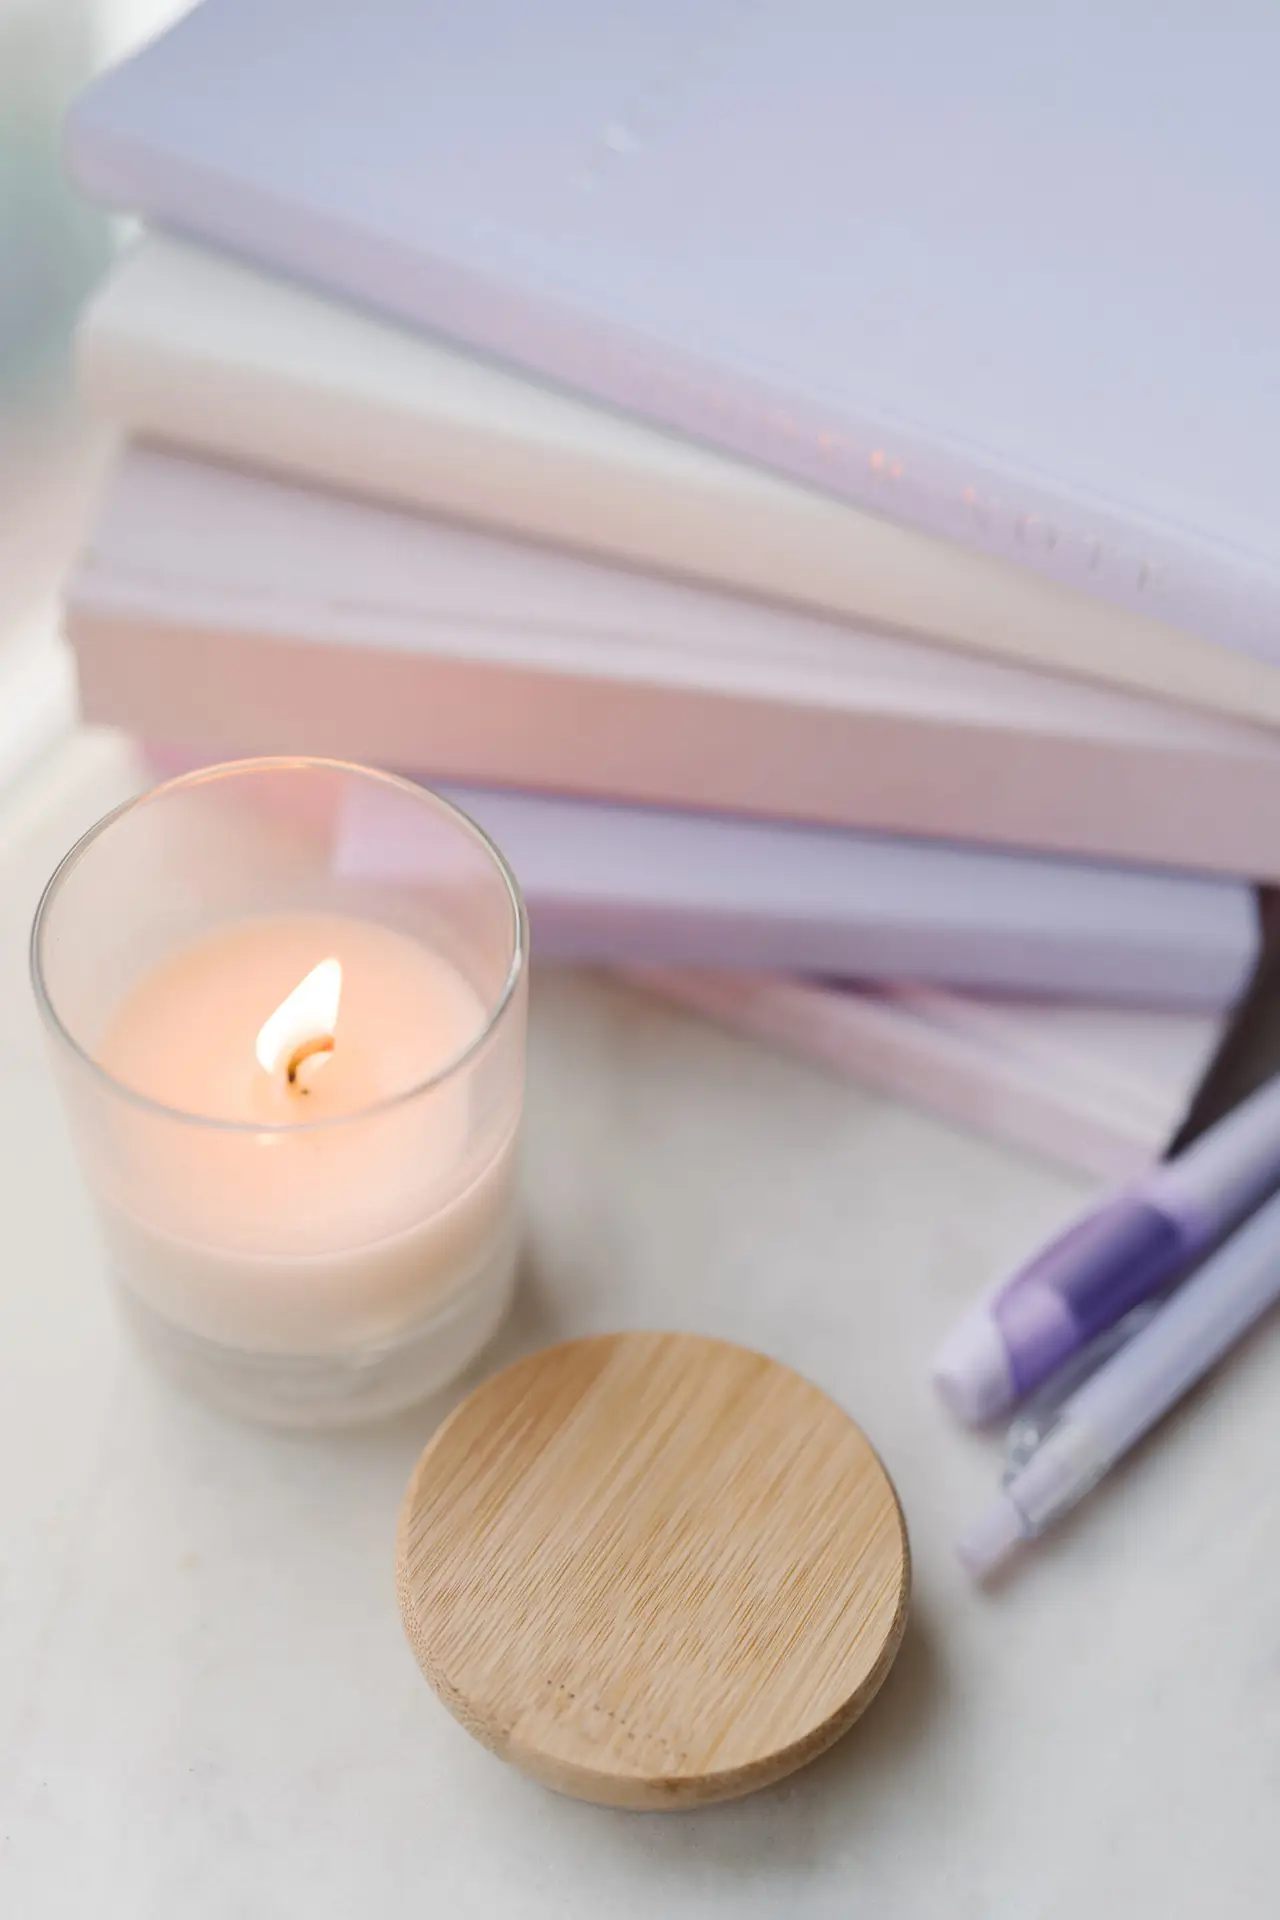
1114, 1408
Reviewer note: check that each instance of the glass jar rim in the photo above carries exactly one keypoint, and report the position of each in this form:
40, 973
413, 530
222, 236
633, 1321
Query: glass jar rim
282, 763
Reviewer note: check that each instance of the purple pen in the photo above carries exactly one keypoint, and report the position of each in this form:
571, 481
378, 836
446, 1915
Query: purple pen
1104, 1263
1131, 1391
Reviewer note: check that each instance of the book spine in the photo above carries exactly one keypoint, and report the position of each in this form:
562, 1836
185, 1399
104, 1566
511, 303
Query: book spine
1230, 600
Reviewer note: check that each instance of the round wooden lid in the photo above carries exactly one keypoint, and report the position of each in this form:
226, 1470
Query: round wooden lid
652, 1570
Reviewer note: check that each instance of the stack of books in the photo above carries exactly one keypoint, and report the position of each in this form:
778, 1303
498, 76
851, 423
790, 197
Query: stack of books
817, 513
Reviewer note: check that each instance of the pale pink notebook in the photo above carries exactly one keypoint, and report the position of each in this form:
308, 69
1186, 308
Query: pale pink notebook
1099, 1090
240, 613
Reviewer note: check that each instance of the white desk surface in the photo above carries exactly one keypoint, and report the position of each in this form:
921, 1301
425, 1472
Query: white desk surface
206, 1706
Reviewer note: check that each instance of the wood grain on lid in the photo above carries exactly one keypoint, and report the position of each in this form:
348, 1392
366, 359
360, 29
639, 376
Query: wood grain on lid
652, 1570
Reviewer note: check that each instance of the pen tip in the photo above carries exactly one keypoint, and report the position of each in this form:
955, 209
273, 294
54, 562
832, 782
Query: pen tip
991, 1539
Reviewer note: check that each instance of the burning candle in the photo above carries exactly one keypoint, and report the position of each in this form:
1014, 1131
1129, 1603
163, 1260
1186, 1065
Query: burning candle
298, 1121
299, 1035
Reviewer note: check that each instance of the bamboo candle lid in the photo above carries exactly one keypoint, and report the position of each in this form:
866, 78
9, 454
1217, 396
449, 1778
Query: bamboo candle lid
652, 1570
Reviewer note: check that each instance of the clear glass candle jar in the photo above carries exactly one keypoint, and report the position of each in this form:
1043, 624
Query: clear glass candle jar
286, 1003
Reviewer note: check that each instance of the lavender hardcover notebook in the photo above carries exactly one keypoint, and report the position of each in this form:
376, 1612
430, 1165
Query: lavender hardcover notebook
628, 885
1005, 273
646, 886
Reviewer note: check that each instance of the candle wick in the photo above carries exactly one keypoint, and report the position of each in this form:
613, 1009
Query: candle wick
314, 1049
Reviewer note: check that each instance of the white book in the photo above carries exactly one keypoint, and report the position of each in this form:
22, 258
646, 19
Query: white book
196, 351
244, 614
1005, 273
1096, 1089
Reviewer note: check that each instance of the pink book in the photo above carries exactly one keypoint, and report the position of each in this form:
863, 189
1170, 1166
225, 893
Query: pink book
245, 614
1096, 1089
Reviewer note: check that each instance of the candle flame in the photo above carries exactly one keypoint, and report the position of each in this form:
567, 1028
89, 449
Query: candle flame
303, 1024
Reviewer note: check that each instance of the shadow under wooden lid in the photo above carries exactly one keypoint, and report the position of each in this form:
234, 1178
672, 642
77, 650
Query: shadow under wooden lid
652, 1570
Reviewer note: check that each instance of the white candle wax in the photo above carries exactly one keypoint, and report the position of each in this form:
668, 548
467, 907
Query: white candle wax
334, 1215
